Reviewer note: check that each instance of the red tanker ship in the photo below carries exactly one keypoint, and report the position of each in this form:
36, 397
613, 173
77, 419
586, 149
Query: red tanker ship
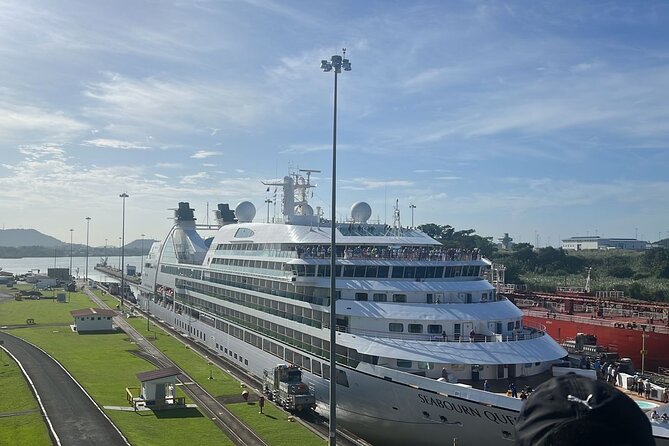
636, 330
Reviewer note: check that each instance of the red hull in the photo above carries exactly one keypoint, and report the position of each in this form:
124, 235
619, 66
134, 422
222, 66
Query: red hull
627, 342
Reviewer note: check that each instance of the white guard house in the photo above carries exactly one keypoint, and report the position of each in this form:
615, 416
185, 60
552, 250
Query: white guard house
92, 319
158, 387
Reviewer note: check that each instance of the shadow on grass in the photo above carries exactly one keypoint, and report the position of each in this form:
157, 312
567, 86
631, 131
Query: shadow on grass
186, 412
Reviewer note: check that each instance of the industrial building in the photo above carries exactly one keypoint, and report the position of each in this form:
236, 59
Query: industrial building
596, 242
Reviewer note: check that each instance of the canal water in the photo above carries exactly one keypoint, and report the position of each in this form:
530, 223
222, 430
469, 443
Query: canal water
26, 264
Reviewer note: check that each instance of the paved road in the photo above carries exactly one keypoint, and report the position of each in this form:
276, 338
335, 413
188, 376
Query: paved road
75, 418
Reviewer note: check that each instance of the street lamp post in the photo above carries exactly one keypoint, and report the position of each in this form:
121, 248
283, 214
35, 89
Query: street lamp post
141, 266
88, 222
268, 201
71, 231
412, 207
335, 64
120, 244
123, 197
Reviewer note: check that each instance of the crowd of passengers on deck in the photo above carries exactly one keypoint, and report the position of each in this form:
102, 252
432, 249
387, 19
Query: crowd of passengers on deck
403, 253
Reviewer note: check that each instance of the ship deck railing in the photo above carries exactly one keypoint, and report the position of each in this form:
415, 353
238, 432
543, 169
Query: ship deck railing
606, 321
526, 333
387, 253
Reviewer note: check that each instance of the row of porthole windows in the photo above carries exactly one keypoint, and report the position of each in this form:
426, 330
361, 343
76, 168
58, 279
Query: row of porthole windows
398, 327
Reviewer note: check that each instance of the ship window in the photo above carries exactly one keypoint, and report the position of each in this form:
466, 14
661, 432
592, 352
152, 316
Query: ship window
349, 270
361, 296
371, 271
311, 270
509, 326
396, 327
403, 363
415, 328
244, 233
399, 297
380, 297
409, 272
359, 271
434, 329
425, 365
398, 272
518, 325
383, 271
420, 272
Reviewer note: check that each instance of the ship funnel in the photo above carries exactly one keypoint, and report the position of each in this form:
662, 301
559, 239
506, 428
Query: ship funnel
225, 215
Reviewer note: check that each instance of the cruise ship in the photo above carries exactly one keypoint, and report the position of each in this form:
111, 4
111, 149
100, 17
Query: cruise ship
418, 327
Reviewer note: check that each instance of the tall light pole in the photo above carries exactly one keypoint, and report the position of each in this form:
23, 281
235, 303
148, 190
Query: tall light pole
412, 207
88, 222
337, 63
141, 266
71, 231
120, 244
123, 197
105, 252
268, 201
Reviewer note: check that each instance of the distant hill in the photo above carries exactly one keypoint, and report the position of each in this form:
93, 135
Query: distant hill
27, 237
136, 245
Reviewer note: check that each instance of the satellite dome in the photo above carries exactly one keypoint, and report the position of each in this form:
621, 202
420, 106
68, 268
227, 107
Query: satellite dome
360, 212
304, 209
245, 211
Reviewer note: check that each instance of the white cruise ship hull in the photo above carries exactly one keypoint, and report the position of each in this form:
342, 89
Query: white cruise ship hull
398, 409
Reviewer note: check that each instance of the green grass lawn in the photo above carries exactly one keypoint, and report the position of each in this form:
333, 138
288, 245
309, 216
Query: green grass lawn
24, 429
273, 426
105, 365
43, 311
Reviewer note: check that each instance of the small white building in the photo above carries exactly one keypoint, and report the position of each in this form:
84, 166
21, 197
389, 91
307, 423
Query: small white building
596, 242
158, 386
92, 319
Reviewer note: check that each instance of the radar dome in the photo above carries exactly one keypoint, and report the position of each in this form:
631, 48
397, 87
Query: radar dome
360, 212
304, 209
245, 211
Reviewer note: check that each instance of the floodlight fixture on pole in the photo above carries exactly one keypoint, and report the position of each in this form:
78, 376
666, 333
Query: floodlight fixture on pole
412, 206
123, 197
71, 231
336, 64
88, 223
268, 201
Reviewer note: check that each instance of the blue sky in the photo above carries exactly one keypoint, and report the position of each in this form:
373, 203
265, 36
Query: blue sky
541, 119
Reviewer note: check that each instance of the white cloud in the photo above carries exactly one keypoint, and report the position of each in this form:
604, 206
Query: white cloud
201, 154
158, 175
19, 121
367, 183
168, 165
195, 178
115, 144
